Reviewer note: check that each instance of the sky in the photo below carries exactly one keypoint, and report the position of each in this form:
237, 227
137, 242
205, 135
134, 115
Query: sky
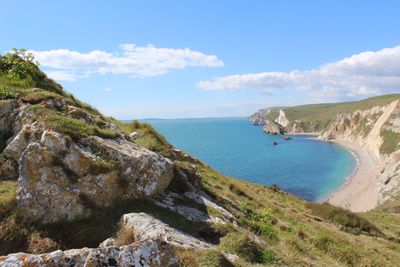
185, 59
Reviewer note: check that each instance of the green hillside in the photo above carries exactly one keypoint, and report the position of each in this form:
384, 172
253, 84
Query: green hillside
324, 112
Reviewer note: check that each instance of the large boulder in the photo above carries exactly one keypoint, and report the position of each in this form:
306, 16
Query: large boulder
60, 179
146, 253
274, 128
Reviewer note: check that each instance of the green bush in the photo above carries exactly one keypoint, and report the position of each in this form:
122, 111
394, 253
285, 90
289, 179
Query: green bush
20, 70
6, 93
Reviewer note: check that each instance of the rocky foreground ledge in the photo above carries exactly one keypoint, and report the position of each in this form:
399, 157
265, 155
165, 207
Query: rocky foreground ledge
147, 253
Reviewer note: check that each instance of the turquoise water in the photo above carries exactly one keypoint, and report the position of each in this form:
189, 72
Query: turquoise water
310, 169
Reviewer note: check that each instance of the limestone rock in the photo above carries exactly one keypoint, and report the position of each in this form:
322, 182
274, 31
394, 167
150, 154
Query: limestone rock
145, 226
134, 135
27, 135
7, 108
146, 253
274, 128
63, 180
282, 120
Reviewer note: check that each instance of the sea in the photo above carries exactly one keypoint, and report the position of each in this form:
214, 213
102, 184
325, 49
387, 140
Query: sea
310, 169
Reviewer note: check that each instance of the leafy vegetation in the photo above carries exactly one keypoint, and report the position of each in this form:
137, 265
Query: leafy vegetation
6, 93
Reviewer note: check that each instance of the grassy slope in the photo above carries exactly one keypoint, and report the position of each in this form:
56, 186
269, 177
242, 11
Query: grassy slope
323, 112
295, 232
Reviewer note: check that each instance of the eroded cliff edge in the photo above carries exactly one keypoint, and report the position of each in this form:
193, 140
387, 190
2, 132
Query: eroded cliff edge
372, 124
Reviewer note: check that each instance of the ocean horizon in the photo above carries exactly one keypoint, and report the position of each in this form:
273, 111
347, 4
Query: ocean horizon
308, 168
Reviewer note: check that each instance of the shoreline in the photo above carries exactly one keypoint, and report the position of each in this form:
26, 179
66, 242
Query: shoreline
310, 134
359, 191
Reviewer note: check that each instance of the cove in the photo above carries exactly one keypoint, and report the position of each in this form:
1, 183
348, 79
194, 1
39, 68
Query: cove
310, 169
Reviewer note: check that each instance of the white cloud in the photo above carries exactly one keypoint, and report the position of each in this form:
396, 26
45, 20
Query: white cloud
107, 89
60, 75
361, 75
132, 60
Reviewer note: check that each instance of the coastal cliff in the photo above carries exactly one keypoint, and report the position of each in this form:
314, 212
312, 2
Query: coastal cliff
78, 188
373, 124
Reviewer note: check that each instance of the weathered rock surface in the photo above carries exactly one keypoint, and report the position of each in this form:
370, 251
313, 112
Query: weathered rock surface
366, 128
61, 180
274, 128
145, 226
7, 114
176, 203
264, 116
145, 253
134, 135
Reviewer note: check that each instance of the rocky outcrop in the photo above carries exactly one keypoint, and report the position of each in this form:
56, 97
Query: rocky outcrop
61, 180
274, 128
282, 120
7, 113
149, 253
264, 116
145, 226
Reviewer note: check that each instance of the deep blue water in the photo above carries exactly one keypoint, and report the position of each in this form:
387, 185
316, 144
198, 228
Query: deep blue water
307, 168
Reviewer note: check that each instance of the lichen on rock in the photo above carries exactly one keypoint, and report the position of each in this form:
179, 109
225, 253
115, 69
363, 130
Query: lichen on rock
60, 179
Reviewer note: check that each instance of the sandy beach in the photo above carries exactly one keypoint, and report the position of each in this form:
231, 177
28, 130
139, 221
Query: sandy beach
359, 193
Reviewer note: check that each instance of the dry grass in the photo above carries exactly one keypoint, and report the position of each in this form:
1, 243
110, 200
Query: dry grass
124, 236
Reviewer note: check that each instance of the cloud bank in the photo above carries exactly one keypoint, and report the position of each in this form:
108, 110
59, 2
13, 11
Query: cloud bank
361, 75
137, 61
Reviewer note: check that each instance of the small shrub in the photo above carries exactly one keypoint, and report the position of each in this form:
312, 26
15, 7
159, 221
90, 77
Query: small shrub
252, 252
324, 243
247, 249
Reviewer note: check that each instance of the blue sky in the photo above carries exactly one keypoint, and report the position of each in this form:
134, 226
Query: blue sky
240, 56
